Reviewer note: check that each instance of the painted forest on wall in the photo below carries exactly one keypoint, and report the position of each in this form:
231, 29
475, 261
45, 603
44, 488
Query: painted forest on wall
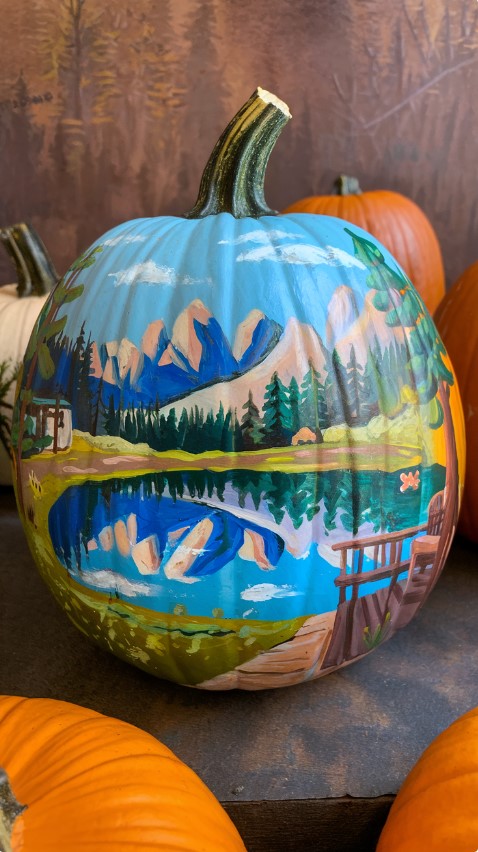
108, 111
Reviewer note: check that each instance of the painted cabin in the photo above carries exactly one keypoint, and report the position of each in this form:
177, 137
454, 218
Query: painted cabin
51, 418
304, 436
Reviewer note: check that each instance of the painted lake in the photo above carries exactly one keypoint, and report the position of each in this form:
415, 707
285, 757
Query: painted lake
236, 544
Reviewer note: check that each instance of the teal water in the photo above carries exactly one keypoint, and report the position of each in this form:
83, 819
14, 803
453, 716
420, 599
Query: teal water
294, 517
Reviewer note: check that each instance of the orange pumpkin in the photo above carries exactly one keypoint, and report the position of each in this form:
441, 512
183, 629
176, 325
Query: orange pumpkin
435, 809
397, 222
90, 782
457, 322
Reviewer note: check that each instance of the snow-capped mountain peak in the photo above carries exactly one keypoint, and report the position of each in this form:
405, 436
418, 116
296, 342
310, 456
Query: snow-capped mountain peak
196, 354
245, 332
342, 312
184, 337
151, 340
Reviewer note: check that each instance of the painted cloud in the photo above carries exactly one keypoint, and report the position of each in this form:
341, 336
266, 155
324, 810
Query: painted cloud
149, 272
260, 236
115, 241
304, 254
267, 591
113, 581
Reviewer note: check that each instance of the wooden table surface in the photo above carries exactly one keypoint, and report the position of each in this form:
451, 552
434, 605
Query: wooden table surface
310, 766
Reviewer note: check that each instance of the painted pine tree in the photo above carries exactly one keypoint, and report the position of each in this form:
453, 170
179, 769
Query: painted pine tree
208, 432
294, 404
337, 403
354, 387
111, 423
251, 424
80, 393
219, 426
182, 428
227, 437
276, 417
237, 439
368, 394
171, 430
313, 403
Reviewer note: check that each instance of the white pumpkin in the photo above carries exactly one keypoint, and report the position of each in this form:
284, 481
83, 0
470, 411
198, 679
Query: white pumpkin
20, 305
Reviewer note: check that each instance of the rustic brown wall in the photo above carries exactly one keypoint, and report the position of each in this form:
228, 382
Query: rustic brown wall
108, 111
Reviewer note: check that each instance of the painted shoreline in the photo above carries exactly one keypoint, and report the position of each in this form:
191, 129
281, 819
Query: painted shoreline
93, 457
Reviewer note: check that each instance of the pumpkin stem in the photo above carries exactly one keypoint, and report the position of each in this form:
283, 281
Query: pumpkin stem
36, 274
233, 180
10, 809
346, 185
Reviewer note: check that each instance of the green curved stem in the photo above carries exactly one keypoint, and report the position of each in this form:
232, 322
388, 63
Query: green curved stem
36, 274
233, 180
346, 185
10, 809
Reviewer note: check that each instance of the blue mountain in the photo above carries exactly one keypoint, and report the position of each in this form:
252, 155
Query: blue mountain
265, 335
167, 367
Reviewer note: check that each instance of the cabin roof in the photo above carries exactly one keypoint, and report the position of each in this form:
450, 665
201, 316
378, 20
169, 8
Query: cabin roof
39, 400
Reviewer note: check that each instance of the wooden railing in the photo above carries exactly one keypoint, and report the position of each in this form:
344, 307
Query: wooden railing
386, 559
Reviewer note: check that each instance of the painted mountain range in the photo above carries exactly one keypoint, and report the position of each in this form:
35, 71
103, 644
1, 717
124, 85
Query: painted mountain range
298, 346
197, 353
347, 326
197, 361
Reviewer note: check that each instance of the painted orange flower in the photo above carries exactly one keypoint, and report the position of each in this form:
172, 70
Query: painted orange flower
410, 480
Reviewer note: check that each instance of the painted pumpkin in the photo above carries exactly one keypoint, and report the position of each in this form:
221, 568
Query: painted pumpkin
72, 779
397, 222
456, 314
235, 445
435, 808
20, 305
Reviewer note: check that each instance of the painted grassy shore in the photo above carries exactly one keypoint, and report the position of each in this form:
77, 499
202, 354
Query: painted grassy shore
100, 457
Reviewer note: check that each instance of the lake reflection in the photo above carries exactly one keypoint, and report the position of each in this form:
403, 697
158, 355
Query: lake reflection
240, 543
